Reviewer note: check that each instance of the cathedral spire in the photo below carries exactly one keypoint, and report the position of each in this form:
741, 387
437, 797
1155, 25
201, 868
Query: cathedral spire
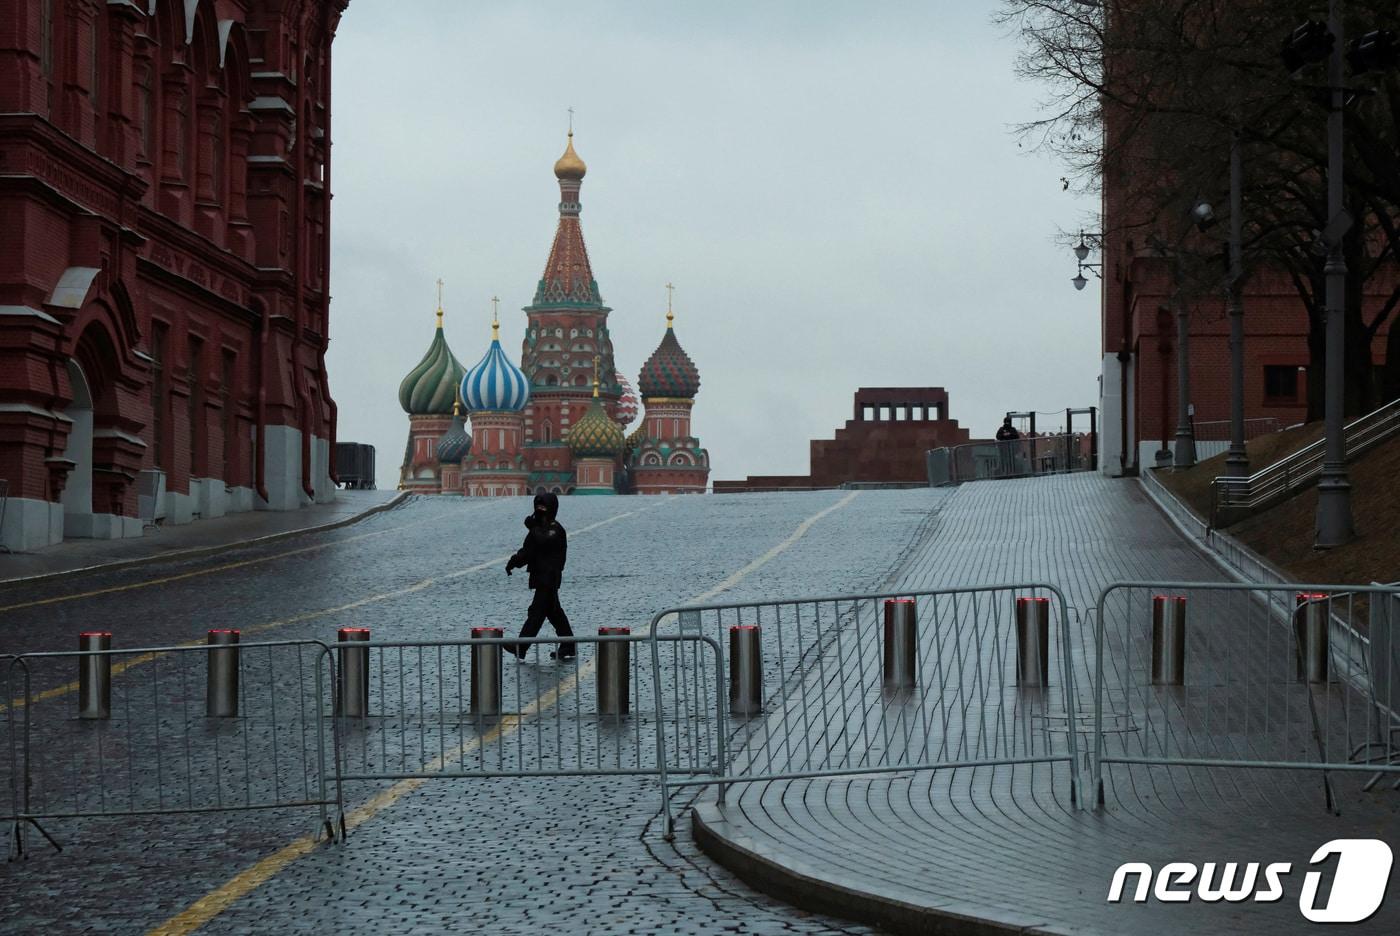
568, 276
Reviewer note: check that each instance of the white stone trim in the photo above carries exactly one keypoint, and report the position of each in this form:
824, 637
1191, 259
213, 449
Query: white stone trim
73, 286
118, 434
271, 102
191, 6
27, 310
31, 523
225, 27
35, 410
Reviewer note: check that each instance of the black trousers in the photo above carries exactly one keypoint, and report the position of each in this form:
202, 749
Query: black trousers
546, 605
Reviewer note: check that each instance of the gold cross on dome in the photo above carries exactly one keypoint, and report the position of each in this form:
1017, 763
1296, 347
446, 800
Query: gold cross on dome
495, 309
439, 285
571, 120
670, 293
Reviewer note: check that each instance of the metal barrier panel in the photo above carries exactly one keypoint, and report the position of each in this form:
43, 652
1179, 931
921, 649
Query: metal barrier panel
827, 712
551, 721
1272, 676
158, 751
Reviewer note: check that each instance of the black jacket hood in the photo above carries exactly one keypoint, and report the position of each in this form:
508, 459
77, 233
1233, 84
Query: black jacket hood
551, 505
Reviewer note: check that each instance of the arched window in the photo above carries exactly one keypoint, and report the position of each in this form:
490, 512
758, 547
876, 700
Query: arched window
546, 433
198, 466
145, 109
160, 347
550, 380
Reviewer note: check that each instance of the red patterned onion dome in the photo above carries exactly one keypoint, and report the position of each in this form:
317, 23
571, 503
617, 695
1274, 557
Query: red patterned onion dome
669, 372
627, 404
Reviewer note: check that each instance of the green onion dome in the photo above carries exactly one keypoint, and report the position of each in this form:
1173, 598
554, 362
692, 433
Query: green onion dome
430, 389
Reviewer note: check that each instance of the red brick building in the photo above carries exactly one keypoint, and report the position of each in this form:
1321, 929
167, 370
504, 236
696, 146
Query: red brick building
886, 439
164, 215
1138, 387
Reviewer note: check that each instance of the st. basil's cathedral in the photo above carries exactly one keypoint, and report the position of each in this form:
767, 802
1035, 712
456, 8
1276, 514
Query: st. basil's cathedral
557, 422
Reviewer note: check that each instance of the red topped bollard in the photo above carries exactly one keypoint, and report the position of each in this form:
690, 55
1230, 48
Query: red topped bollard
221, 693
901, 663
745, 670
1168, 640
352, 675
1311, 617
486, 672
1033, 642
95, 675
614, 679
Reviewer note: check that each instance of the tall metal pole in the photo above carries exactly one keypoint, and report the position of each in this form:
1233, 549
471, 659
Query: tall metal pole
1237, 461
1184, 452
1334, 525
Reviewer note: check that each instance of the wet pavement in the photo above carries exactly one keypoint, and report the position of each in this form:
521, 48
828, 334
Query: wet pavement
497, 854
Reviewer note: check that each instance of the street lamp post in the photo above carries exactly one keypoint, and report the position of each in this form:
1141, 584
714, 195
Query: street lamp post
1334, 524
1184, 451
1237, 461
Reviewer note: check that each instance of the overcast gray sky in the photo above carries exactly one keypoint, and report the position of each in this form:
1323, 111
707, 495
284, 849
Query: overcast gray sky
834, 189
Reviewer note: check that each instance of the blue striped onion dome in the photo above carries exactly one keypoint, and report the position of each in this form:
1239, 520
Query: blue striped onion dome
495, 383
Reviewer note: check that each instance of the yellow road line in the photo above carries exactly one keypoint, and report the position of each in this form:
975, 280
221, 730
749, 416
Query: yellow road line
245, 882
124, 665
148, 583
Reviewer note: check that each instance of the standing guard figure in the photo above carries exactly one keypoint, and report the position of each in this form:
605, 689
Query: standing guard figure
544, 552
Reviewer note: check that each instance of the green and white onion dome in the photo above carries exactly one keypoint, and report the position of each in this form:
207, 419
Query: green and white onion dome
430, 388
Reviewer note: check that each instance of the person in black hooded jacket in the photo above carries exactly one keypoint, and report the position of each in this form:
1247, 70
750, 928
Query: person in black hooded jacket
544, 552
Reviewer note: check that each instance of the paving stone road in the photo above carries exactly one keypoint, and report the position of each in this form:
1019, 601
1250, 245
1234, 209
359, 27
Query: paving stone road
1004, 844
492, 855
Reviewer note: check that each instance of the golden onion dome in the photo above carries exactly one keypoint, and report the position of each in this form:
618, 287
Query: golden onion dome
569, 166
595, 435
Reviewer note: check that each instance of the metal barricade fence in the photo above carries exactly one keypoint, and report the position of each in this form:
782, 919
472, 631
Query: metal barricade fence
465, 708
146, 743
821, 687
1199, 676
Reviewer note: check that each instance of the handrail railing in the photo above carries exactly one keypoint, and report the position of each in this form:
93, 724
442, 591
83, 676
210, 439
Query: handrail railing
1233, 498
1218, 430
1056, 453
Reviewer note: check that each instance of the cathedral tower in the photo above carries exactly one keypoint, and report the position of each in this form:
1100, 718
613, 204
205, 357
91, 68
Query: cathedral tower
567, 326
662, 455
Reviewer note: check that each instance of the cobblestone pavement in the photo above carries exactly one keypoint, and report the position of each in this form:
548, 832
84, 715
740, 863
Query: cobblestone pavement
494, 855
202, 535
1005, 844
